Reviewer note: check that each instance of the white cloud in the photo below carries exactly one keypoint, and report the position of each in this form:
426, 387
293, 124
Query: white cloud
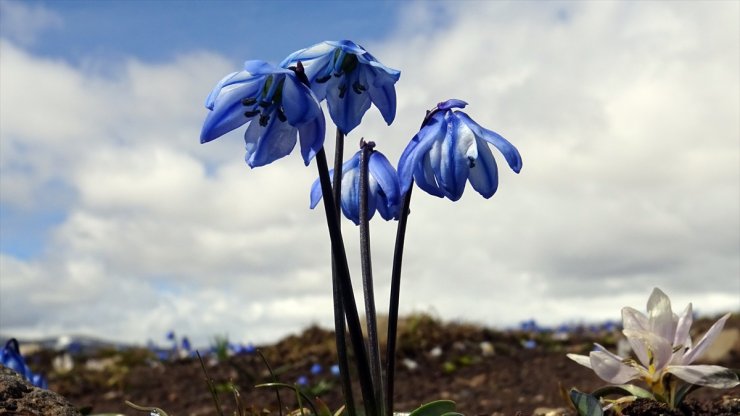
626, 115
23, 22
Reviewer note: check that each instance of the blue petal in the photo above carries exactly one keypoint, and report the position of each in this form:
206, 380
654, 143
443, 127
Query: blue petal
511, 154
308, 55
383, 94
484, 175
211, 99
299, 104
382, 171
455, 151
351, 189
417, 147
347, 46
451, 103
259, 67
267, 144
228, 111
425, 177
312, 136
316, 193
347, 112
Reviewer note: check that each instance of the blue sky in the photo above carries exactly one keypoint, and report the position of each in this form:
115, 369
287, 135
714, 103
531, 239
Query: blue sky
156, 31
116, 222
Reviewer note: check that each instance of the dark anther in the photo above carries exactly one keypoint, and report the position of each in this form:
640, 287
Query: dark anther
281, 115
300, 73
251, 113
358, 88
323, 79
363, 144
265, 104
248, 101
471, 162
264, 118
342, 90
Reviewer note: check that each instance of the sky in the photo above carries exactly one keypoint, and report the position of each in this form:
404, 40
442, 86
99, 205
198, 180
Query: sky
116, 222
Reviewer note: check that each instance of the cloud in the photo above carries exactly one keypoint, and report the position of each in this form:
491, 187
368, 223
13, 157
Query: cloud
24, 23
625, 114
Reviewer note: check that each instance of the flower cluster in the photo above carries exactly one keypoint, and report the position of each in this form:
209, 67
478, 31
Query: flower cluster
664, 349
281, 105
11, 357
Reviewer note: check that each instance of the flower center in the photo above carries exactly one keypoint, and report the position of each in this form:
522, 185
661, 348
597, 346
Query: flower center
268, 101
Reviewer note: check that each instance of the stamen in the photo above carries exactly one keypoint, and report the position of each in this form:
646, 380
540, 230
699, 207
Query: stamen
249, 101
300, 73
265, 104
251, 113
471, 162
358, 88
323, 79
264, 118
281, 115
342, 90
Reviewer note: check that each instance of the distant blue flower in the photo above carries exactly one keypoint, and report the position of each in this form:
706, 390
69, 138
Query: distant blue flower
302, 381
383, 190
335, 369
11, 357
529, 326
171, 335
529, 344
186, 344
350, 78
450, 149
316, 369
277, 104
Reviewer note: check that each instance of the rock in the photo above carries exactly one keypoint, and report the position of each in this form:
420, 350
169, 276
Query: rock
19, 397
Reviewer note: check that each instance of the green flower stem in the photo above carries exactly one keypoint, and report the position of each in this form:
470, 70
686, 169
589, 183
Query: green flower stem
339, 321
345, 285
395, 297
367, 277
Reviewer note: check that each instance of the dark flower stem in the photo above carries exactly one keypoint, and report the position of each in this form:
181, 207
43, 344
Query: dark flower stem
394, 301
367, 277
339, 321
345, 285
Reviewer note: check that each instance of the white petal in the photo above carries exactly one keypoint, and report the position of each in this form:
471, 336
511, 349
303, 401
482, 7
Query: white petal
610, 369
634, 319
682, 328
706, 375
650, 348
583, 360
660, 315
706, 340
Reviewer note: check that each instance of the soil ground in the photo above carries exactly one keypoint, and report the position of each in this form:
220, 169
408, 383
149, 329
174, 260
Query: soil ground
436, 361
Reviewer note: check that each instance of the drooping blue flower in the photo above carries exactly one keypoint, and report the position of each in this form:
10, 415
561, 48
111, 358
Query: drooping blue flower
11, 357
350, 78
383, 190
277, 104
450, 149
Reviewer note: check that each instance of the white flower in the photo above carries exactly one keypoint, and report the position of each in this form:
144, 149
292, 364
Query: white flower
662, 344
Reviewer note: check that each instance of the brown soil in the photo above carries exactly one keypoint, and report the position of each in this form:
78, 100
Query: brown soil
512, 380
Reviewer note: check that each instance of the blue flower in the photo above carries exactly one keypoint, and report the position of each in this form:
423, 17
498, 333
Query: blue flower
450, 149
11, 357
383, 191
276, 103
316, 369
350, 78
